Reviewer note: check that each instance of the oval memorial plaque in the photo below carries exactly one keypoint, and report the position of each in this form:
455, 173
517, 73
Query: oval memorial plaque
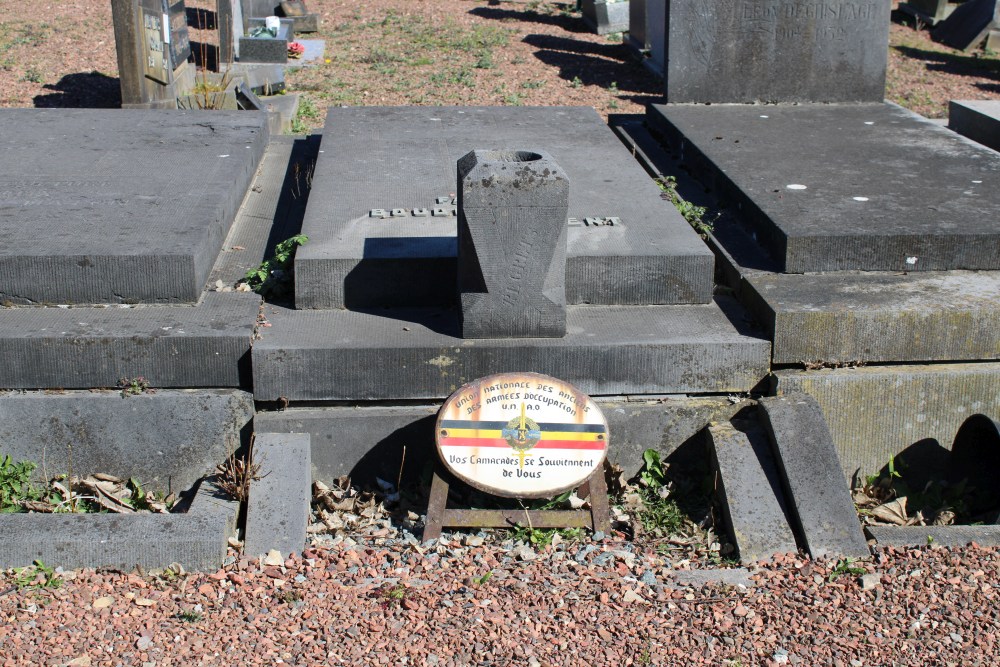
521, 435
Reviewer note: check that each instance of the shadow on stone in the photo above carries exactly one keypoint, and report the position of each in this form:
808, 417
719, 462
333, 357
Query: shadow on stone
923, 461
82, 90
401, 455
975, 457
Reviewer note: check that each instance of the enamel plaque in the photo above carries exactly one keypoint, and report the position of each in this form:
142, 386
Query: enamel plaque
521, 435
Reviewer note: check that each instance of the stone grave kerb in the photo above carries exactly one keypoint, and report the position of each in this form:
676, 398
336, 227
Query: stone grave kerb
512, 221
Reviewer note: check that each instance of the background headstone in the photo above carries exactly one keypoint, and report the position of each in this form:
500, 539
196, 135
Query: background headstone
153, 47
231, 28
724, 51
969, 24
512, 212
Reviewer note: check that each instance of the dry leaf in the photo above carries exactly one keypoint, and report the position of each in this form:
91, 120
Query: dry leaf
893, 512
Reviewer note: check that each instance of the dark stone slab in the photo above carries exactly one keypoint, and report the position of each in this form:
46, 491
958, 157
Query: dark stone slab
810, 468
119, 206
266, 49
909, 412
512, 244
197, 539
278, 507
978, 120
606, 17
931, 12
387, 158
968, 24
849, 317
206, 345
773, 51
168, 439
637, 39
749, 486
942, 536
333, 355
369, 442
868, 203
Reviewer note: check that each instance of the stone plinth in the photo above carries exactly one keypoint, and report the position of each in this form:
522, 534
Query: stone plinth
512, 244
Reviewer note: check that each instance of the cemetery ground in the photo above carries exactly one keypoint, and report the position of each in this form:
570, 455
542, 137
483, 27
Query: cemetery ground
397, 52
657, 590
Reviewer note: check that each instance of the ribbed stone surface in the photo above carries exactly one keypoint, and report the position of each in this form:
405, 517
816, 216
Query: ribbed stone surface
749, 485
345, 355
370, 442
878, 317
978, 120
944, 536
809, 465
891, 191
911, 411
168, 439
123, 206
206, 345
198, 539
278, 506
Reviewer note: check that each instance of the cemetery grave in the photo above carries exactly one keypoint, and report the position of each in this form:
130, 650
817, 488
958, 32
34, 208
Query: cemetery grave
425, 266
883, 290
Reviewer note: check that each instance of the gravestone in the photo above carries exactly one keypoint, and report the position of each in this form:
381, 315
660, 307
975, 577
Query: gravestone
512, 209
969, 25
929, 11
606, 16
729, 51
302, 19
231, 28
153, 48
265, 48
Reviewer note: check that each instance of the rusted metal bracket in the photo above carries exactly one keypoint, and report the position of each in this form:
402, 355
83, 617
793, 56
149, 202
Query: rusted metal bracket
597, 518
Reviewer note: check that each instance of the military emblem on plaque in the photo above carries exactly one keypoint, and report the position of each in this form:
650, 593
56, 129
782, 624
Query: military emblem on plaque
520, 435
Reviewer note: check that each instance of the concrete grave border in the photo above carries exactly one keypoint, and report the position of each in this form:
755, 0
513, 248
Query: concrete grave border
197, 539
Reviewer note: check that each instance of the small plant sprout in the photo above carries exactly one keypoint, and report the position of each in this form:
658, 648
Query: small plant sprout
15, 485
237, 473
274, 276
695, 215
134, 386
37, 576
845, 567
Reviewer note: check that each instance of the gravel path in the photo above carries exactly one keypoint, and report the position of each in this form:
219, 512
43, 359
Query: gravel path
579, 604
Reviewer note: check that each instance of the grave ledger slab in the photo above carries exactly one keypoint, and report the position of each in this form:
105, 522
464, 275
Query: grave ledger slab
867, 205
382, 212
119, 206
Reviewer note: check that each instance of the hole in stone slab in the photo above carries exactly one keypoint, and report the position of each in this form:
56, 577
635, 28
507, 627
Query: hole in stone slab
510, 156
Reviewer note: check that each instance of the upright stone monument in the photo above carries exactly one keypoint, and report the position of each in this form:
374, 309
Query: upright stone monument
729, 51
512, 210
153, 50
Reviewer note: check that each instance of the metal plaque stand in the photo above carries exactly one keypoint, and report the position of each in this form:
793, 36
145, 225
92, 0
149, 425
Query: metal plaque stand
597, 518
